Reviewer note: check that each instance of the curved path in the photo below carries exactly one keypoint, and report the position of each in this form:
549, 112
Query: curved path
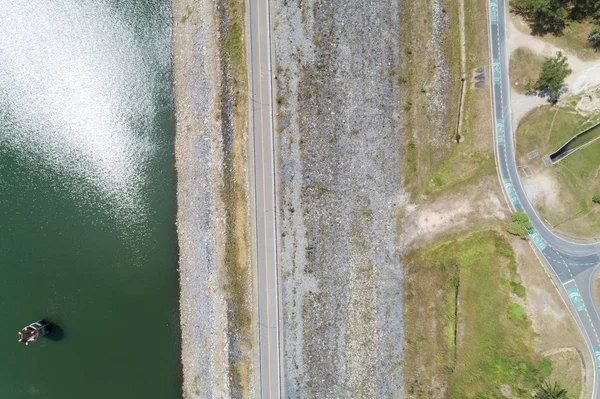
573, 264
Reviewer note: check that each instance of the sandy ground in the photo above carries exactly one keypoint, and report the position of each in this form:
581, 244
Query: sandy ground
585, 76
541, 188
454, 212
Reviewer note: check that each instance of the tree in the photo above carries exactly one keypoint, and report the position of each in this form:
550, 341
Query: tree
553, 74
543, 15
548, 16
548, 391
582, 9
594, 37
520, 226
521, 7
596, 198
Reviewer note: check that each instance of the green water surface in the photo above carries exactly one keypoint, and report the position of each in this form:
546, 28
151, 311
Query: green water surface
107, 284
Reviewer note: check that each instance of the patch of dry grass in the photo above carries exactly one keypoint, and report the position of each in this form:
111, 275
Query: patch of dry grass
431, 166
566, 368
525, 66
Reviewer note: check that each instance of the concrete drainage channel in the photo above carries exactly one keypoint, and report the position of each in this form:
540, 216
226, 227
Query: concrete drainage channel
577, 142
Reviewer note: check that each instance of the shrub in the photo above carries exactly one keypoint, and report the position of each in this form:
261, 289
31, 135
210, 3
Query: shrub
594, 37
548, 391
521, 217
545, 368
596, 198
517, 229
520, 226
518, 289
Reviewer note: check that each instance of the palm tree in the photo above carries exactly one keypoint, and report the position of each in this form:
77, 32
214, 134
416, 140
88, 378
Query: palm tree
548, 391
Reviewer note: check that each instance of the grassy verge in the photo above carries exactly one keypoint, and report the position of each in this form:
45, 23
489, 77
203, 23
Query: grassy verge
432, 163
575, 178
467, 334
524, 65
238, 274
573, 38
566, 368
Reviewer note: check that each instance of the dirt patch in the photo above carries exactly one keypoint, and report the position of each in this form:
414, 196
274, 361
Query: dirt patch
585, 75
543, 189
589, 103
525, 67
573, 38
454, 211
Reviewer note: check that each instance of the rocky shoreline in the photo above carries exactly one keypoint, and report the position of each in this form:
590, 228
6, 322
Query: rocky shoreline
216, 356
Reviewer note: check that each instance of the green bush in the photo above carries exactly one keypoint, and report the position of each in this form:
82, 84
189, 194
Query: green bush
516, 313
596, 198
518, 289
545, 368
520, 226
594, 37
518, 229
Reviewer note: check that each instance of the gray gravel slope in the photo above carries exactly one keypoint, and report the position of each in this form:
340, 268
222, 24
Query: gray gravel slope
339, 169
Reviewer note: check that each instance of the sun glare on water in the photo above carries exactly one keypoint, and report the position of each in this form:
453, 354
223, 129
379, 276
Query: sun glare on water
78, 94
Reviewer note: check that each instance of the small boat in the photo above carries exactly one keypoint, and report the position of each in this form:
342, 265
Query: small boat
31, 333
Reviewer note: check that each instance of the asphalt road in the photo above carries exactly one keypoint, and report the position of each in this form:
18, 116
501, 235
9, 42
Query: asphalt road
572, 264
262, 153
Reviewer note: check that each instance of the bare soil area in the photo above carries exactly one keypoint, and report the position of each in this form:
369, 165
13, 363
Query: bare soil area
584, 78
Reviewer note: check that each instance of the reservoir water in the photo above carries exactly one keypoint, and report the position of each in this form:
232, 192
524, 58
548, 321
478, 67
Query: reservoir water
87, 199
